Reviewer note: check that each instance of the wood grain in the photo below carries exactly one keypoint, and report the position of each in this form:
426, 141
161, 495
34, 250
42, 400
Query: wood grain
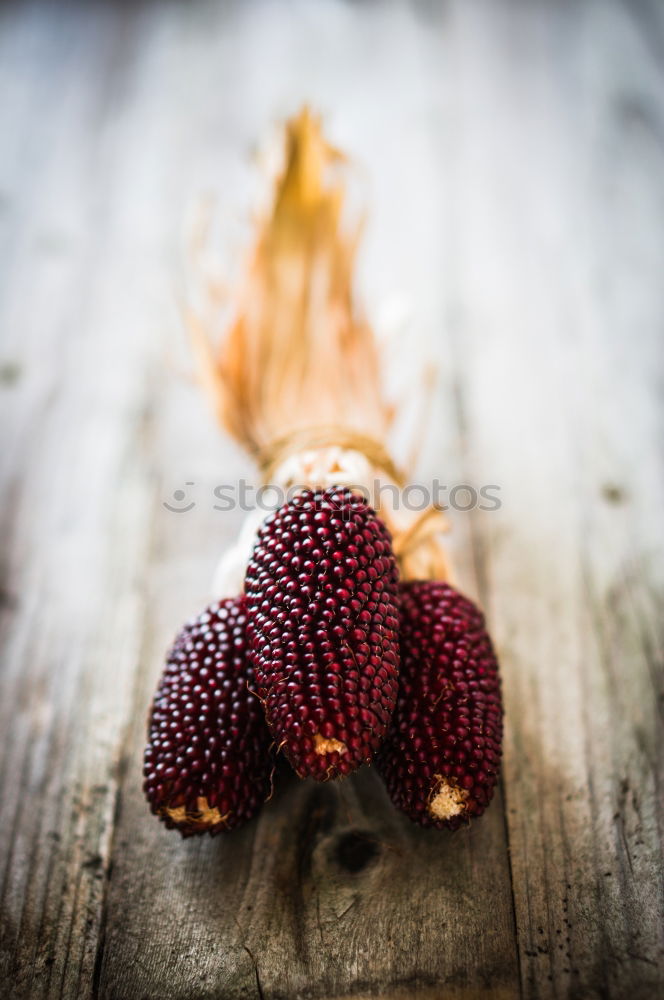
511, 160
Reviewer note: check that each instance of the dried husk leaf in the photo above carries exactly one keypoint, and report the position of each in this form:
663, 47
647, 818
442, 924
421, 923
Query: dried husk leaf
298, 371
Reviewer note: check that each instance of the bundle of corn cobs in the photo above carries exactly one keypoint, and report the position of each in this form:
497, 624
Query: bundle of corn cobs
336, 638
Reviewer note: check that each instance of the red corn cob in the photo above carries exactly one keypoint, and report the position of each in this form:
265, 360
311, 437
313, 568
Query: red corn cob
322, 606
441, 759
207, 763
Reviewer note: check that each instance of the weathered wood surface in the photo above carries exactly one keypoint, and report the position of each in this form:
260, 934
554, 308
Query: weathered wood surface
514, 164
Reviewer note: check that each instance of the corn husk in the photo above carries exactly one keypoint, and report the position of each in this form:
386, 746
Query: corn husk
296, 379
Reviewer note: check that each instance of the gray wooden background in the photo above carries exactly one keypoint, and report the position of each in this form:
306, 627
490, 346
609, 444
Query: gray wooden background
511, 157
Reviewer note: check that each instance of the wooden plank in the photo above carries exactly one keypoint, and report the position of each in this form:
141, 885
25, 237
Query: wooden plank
556, 254
77, 490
